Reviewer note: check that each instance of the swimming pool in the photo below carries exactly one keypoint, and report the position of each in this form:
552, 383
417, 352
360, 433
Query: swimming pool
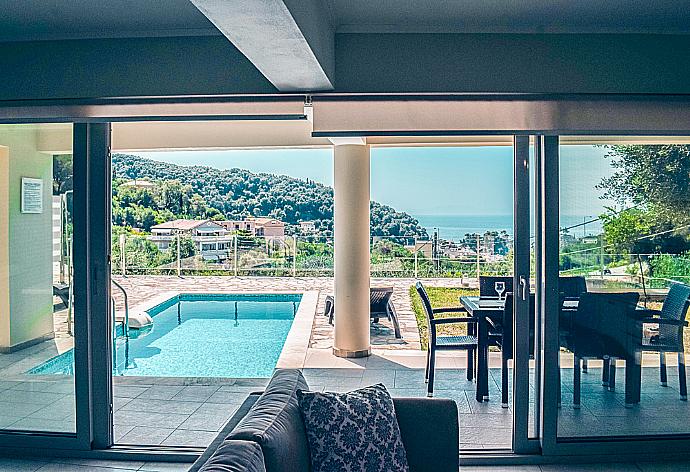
202, 335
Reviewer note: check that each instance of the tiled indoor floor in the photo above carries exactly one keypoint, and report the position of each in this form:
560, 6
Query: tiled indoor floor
85, 465
176, 412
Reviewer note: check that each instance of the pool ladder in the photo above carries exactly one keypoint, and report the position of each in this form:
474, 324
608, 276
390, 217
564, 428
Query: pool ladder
125, 322
125, 326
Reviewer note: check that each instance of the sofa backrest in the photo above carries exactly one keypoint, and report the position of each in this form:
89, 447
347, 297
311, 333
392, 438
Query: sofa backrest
275, 423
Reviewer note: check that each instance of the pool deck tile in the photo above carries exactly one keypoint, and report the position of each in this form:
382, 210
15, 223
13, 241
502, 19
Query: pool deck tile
146, 435
206, 421
196, 393
141, 404
163, 392
184, 437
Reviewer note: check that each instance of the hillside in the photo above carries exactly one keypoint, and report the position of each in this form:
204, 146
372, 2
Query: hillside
206, 192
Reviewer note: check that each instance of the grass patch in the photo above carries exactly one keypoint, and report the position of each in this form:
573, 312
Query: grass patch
439, 297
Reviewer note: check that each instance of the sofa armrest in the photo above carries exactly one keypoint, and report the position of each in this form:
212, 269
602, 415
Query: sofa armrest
429, 429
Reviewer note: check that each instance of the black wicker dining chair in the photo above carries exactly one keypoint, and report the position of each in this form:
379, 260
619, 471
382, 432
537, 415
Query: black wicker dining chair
501, 335
668, 335
601, 328
571, 287
487, 285
445, 343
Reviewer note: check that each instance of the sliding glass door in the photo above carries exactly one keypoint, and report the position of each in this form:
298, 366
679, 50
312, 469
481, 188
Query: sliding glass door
41, 325
615, 240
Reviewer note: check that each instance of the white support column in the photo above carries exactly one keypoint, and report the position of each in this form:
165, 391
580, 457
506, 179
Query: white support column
351, 234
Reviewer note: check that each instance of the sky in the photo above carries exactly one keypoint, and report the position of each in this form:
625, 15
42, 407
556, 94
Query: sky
426, 181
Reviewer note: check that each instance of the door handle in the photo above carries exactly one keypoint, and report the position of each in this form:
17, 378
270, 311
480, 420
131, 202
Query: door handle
523, 287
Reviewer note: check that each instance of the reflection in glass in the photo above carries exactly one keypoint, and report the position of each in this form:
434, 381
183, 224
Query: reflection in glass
623, 286
35, 278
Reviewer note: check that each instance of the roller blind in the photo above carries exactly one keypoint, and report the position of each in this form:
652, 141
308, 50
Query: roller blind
621, 115
190, 108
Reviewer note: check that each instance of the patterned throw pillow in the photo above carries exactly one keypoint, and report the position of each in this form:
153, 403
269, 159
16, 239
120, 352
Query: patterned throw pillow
355, 431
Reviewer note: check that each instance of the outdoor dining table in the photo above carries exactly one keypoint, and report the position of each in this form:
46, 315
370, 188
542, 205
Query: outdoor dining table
485, 308
482, 308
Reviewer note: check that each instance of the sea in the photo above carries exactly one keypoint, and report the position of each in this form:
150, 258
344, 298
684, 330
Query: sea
455, 227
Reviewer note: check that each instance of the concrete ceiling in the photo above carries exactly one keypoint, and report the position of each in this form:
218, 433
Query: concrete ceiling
290, 41
67, 19
29, 20
510, 16
293, 42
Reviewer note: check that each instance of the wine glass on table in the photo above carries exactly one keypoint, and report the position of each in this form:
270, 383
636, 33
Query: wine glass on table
500, 288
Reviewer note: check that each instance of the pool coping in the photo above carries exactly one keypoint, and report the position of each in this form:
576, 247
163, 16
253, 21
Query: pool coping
294, 352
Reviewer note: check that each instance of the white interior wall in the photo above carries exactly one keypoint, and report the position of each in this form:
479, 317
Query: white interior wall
26, 259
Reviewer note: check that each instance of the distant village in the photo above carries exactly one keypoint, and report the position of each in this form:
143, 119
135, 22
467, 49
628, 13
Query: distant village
214, 239
490, 247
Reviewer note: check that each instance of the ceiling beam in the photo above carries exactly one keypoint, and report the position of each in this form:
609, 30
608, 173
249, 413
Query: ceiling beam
290, 41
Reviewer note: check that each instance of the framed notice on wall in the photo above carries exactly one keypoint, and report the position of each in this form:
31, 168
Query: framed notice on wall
32, 195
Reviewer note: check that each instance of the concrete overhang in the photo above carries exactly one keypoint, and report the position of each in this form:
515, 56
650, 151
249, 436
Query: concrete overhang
291, 42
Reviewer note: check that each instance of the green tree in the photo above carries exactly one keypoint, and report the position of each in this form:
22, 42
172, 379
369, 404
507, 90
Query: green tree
655, 180
187, 247
654, 177
63, 174
623, 230
204, 192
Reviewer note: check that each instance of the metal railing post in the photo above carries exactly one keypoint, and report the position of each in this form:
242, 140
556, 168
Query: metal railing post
179, 258
416, 259
123, 259
63, 242
478, 269
70, 298
294, 256
236, 259
601, 255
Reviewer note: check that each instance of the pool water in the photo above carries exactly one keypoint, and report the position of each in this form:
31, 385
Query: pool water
202, 335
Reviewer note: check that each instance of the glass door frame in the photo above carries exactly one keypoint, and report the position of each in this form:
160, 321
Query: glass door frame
522, 443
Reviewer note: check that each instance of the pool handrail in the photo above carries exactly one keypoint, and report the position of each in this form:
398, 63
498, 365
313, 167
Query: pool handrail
126, 298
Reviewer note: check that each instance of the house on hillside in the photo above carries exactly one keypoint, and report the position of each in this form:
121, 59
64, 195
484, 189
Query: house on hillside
139, 184
307, 226
212, 240
424, 248
269, 228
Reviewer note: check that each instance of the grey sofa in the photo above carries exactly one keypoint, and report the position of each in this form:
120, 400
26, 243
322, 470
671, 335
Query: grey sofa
267, 432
